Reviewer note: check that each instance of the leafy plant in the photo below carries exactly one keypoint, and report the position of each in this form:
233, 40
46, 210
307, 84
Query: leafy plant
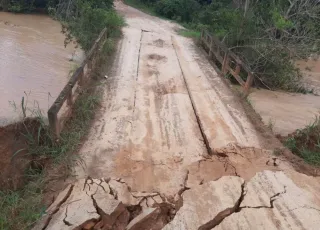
306, 143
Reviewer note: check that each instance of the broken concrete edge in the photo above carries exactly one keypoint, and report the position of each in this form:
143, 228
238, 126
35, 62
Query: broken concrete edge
56, 207
278, 192
131, 210
225, 213
163, 211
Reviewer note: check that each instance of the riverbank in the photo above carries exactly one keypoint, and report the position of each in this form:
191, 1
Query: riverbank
32, 170
34, 164
34, 64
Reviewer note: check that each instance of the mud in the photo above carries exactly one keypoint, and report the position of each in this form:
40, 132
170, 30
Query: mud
33, 63
285, 112
13, 154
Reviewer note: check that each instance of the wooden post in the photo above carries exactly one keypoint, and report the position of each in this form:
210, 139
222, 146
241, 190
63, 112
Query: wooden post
225, 63
248, 83
81, 78
210, 48
238, 68
69, 98
53, 123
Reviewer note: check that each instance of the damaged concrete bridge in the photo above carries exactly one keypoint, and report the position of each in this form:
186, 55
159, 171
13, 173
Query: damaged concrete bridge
172, 148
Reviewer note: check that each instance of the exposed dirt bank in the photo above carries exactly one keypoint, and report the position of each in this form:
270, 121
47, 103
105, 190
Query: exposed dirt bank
13, 158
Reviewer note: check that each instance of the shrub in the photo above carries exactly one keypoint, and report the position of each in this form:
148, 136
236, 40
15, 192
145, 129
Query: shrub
181, 10
306, 143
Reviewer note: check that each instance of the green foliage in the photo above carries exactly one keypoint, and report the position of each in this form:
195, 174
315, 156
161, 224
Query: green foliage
143, 6
280, 22
21, 209
189, 33
19, 6
306, 143
180, 10
87, 19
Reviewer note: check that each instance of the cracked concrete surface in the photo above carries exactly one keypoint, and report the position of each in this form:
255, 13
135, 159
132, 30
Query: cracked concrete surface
175, 149
269, 200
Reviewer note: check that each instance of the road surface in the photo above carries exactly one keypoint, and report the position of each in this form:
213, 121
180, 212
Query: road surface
175, 150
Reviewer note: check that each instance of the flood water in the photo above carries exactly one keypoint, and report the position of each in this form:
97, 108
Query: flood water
33, 61
310, 69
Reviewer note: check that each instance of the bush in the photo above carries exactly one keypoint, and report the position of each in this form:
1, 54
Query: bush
306, 143
86, 28
83, 20
181, 10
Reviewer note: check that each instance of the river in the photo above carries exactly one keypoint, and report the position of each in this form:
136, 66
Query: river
33, 63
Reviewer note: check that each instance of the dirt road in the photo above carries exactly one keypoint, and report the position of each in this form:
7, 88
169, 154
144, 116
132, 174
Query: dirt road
175, 149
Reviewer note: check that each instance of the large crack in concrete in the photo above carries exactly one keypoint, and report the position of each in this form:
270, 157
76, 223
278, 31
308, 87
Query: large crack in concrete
57, 207
103, 195
225, 213
273, 198
159, 211
137, 73
218, 219
193, 104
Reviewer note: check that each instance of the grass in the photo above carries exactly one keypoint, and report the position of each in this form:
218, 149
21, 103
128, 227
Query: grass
20, 209
306, 143
189, 33
271, 124
141, 6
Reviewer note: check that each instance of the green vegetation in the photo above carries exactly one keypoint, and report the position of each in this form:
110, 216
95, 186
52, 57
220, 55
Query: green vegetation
189, 33
306, 143
147, 8
83, 20
20, 209
268, 35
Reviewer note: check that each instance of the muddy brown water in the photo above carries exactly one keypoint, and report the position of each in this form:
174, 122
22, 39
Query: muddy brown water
33, 61
310, 69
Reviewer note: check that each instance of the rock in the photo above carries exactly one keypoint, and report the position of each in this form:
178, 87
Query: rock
79, 211
89, 225
78, 208
54, 207
150, 218
81, 206
121, 191
158, 199
108, 207
204, 205
273, 202
144, 194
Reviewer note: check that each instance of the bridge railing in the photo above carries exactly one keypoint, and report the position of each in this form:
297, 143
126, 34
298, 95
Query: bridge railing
61, 109
229, 61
